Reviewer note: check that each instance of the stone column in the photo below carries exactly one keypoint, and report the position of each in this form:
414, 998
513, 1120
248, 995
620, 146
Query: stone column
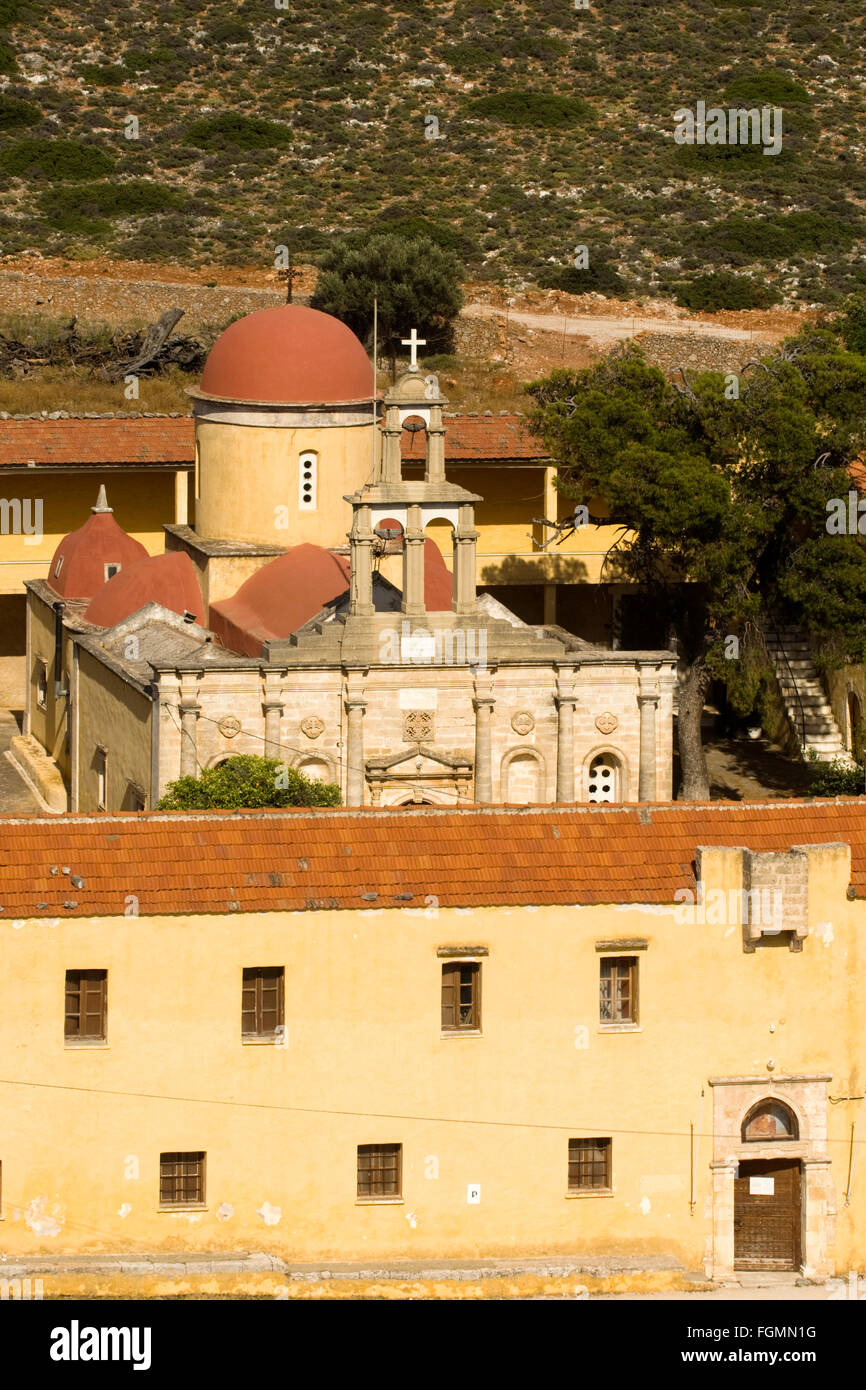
465, 538
361, 562
413, 564
565, 701
189, 713
723, 1171
355, 779
483, 704
648, 700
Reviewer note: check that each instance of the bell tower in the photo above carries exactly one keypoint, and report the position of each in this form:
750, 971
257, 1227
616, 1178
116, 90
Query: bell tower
414, 504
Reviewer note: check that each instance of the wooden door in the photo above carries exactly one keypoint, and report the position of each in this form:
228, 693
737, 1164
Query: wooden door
767, 1214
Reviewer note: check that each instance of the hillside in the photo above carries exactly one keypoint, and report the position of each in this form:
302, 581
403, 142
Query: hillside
259, 127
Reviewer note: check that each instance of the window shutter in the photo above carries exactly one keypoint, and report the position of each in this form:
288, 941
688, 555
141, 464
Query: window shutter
450, 987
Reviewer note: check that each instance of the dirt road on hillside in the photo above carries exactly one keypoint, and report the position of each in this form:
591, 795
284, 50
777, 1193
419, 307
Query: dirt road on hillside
605, 330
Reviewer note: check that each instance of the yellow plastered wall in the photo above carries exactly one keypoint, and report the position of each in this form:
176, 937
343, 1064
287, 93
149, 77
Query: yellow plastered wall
142, 500
508, 550
114, 716
249, 481
365, 1062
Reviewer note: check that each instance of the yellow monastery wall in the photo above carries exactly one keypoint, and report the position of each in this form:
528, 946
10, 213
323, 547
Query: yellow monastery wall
115, 716
365, 1062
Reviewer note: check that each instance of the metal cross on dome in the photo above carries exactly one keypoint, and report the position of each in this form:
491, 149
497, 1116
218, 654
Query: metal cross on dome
414, 342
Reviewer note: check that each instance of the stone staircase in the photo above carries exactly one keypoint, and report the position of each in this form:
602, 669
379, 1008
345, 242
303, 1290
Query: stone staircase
805, 699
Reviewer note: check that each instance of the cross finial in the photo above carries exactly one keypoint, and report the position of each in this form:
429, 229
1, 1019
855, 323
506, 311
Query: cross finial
414, 342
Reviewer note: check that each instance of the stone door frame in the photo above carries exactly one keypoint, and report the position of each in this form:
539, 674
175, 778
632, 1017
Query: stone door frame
806, 1096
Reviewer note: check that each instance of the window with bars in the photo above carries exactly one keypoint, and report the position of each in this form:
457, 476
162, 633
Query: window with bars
307, 482
181, 1179
589, 1166
461, 997
86, 1005
618, 990
380, 1170
262, 1006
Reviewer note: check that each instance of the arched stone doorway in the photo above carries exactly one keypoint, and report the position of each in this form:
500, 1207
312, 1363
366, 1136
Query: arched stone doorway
772, 1179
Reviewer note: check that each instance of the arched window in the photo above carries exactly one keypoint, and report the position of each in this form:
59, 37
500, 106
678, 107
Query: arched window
604, 781
307, 483
768, 1120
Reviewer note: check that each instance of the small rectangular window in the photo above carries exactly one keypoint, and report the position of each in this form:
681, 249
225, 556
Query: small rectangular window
41, 685
380, 1170
262, 1004
618, 990
589, 1166
181, 1179
461, 996
307, 482
101, 768
86, 1005
111, 570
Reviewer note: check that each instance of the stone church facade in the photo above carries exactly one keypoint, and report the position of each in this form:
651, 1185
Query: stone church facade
375, 665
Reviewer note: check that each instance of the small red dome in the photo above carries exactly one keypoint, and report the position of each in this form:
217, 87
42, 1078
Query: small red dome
78, 567
169, 579
289, 355
279, 598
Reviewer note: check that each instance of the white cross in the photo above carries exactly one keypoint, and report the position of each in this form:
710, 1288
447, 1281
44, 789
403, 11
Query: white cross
414, 342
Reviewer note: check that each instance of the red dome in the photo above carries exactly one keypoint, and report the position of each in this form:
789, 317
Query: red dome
279, 598
77, 569
290, 355
169, 579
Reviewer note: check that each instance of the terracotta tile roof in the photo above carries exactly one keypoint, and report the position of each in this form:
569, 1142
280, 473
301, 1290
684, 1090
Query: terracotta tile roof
270, 861
470, 437
165, 439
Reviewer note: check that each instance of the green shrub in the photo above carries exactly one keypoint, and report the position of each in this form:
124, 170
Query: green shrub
230, 31
725, 291
55, 159
835, 778
768, 88
539, 110
247, 782
599, 277
242, 132
15, 113
8, 62
104, 75
96, 200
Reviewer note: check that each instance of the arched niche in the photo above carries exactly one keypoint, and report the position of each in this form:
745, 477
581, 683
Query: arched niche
522, 777
605, 777
769, 1120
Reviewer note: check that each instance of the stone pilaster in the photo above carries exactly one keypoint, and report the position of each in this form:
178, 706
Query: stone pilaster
189, 713
272, 706
355, 707
565, 701
392, 461
483, 704
648, 701
435, 472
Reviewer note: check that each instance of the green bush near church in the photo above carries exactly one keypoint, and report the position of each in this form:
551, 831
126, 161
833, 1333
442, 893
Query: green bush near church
247, 782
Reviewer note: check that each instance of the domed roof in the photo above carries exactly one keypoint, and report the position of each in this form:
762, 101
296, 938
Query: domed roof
279, 598
78, 566
168, 579
289, 355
